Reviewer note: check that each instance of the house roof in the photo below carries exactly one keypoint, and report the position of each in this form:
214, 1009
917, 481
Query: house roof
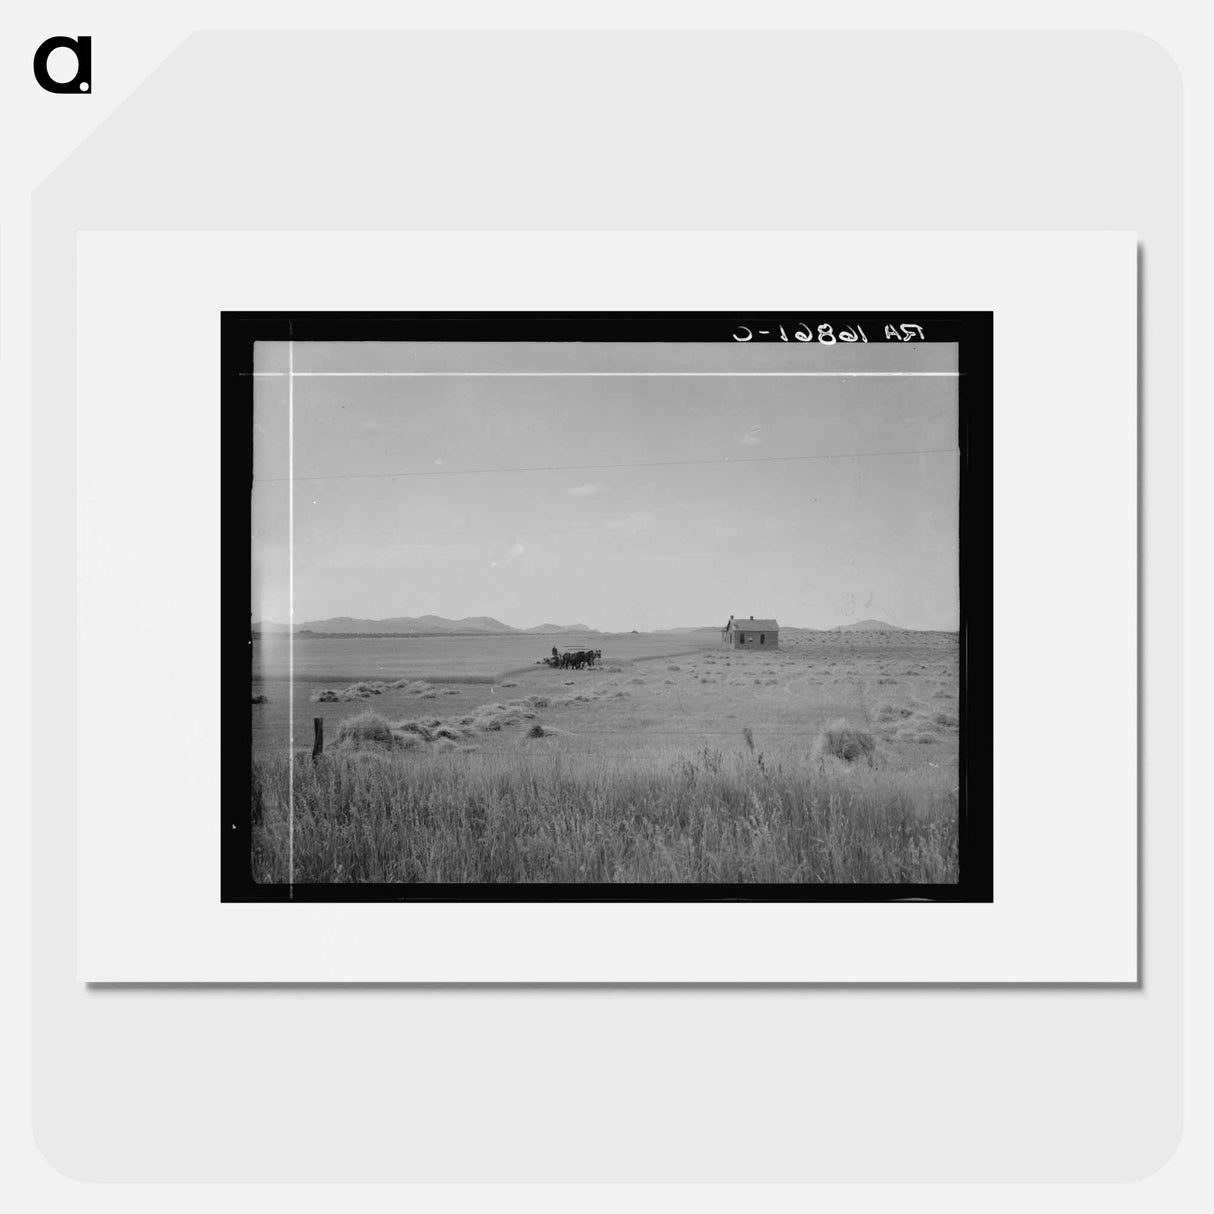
755, 625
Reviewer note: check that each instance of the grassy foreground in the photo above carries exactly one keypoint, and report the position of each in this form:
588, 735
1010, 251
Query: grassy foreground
539, 815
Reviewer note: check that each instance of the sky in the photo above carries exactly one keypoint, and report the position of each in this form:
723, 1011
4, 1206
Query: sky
621, 502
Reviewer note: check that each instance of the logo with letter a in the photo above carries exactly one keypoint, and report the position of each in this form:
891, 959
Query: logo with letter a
82, 81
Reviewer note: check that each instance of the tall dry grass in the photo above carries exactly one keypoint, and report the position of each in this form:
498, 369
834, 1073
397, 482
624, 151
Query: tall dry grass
538, 816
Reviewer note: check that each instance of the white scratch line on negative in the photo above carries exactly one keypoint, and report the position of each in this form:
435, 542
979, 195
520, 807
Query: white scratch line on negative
606, 374
291, 617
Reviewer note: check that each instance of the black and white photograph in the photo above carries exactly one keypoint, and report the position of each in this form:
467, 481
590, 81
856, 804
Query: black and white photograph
607, 606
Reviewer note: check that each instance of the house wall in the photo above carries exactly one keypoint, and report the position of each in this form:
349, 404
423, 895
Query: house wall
772, 640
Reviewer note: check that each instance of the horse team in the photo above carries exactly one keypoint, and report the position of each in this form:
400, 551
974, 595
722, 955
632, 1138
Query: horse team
574, 659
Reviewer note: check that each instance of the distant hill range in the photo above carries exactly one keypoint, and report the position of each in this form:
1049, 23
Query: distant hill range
869, 626
408, 625
487, 625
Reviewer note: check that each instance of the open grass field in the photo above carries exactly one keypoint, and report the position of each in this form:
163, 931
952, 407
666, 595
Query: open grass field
462, 672
833, 758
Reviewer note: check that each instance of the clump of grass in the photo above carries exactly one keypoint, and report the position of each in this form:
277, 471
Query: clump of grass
673, 667
846, 742
445, 746
364, 731
429, 695
492, 717
538, 701
356, 691
418, 728
536, 731
259, 698
509, 684
945, 718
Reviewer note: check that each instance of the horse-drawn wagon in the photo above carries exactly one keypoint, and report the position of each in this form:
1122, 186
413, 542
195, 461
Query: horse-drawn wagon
573, 659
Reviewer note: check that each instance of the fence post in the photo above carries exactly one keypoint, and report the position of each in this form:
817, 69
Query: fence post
318, 741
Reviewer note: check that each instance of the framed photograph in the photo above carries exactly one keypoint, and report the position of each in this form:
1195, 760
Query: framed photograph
383, 494
607, 606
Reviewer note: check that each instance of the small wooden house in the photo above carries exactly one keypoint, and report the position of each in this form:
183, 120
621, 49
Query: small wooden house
751, 634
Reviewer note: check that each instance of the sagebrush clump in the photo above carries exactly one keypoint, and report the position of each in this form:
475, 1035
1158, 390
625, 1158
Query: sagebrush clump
364, 731
846, 742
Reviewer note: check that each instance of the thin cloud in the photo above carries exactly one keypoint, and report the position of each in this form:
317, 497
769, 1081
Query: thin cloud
513, 552
752, 437
632, 524
586, 490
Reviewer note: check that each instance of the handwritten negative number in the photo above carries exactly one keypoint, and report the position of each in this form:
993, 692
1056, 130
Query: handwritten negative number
827, 336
